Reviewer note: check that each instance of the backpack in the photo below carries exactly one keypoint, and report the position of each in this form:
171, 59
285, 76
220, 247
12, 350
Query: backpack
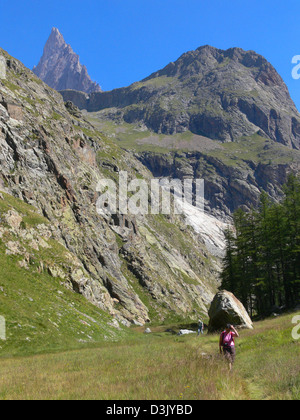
225, 344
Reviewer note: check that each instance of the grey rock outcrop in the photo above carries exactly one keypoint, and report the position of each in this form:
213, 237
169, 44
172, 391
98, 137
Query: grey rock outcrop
227, 187
2, 68
60, 67
227, 309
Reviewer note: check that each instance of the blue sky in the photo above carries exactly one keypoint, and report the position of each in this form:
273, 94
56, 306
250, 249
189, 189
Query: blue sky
123, 41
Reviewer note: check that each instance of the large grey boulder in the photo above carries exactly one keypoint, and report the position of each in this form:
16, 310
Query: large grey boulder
227, 309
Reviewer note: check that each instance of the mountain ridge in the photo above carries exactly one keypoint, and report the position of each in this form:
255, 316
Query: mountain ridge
220, 94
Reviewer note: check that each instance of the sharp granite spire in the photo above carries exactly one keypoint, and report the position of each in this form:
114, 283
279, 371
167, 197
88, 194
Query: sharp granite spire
60, 67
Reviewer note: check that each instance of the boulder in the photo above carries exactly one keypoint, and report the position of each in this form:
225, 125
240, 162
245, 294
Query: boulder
13, 219
227, 309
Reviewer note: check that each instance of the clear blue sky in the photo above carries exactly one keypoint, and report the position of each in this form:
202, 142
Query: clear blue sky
123, 41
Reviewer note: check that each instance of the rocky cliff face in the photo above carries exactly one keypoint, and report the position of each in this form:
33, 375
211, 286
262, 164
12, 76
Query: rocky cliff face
135, 268
228, 186
223, 95
60, 67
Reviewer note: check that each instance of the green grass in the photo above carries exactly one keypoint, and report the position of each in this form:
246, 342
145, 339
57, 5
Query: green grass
11, 86
42, 315
155, 82
29, 213
248, 148
56, 116
161, 366
270, 360
256, 149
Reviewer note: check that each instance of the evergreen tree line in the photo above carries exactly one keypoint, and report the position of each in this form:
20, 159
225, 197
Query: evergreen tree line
262, 262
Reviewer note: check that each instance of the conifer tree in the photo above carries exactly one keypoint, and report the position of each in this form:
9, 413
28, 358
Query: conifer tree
262, 262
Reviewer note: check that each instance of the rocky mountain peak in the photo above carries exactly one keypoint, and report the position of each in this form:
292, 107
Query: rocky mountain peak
55, 40
60, 66
210, 59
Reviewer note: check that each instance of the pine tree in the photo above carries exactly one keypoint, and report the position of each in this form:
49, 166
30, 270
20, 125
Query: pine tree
229, 273
262, 262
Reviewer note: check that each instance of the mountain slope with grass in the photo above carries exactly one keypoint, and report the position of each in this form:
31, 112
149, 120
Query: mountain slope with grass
223, 95
41, 309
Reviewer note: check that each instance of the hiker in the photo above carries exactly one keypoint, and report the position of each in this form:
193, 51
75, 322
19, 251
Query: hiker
200, 327
226, 344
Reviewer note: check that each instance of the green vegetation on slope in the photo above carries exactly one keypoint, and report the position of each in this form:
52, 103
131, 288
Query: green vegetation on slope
256, 149
42, 312
137, 138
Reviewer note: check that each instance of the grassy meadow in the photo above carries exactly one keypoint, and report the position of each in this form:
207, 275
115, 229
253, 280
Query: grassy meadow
163, 366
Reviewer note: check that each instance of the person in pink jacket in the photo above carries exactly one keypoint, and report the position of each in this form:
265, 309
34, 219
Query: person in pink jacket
227, 345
